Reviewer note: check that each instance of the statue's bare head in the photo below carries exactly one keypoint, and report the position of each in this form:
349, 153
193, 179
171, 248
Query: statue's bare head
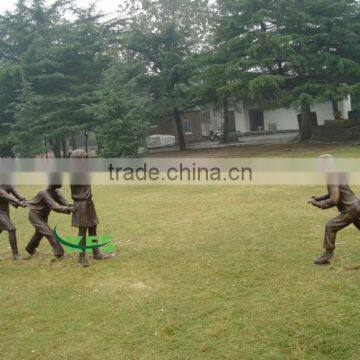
79, 154
55, 181
326, 163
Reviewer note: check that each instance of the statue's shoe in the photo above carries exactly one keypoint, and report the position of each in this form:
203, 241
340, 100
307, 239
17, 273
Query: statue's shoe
16, 257
83, 261
100, 256
324, 259
58, 258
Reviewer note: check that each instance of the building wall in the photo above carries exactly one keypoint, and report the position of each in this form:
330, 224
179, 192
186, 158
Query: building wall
285, 118
345, 107
216, 119
169, 127
242, 118
323, 112
195, 118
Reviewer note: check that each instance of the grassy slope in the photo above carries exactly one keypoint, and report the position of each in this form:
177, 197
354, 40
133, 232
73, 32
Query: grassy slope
282, 150
203, 272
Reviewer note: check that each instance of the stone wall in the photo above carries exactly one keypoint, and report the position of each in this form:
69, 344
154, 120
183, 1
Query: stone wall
348, 131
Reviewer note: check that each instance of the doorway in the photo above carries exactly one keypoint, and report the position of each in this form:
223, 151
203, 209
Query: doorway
256, 119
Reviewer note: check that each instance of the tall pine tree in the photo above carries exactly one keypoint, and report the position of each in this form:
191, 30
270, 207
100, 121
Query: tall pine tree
294, 52
163, 35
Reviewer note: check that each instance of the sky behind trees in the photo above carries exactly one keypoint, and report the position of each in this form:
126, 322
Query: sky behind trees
105, 6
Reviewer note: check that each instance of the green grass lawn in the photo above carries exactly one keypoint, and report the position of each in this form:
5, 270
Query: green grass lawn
276, 150
202, 273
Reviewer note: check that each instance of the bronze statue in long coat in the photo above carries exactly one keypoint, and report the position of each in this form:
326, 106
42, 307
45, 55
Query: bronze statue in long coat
85, 218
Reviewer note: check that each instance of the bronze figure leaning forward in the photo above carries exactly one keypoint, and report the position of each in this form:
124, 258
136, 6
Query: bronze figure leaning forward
40, 208
339, 195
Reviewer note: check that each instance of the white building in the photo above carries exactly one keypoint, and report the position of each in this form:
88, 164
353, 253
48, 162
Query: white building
245, 120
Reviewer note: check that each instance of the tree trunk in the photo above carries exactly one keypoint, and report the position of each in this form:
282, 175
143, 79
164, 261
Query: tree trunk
180, 130
99, 144
306, 126
72, 141
337, 113
46, 148
225, 137
86, 134
55, 147
64, 148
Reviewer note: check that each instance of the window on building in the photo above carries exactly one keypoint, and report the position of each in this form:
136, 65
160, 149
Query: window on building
187, 127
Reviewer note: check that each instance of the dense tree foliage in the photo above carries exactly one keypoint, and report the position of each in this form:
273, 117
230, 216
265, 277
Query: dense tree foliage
55, 74
121, 110
291, 52
164, 36
66, 72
